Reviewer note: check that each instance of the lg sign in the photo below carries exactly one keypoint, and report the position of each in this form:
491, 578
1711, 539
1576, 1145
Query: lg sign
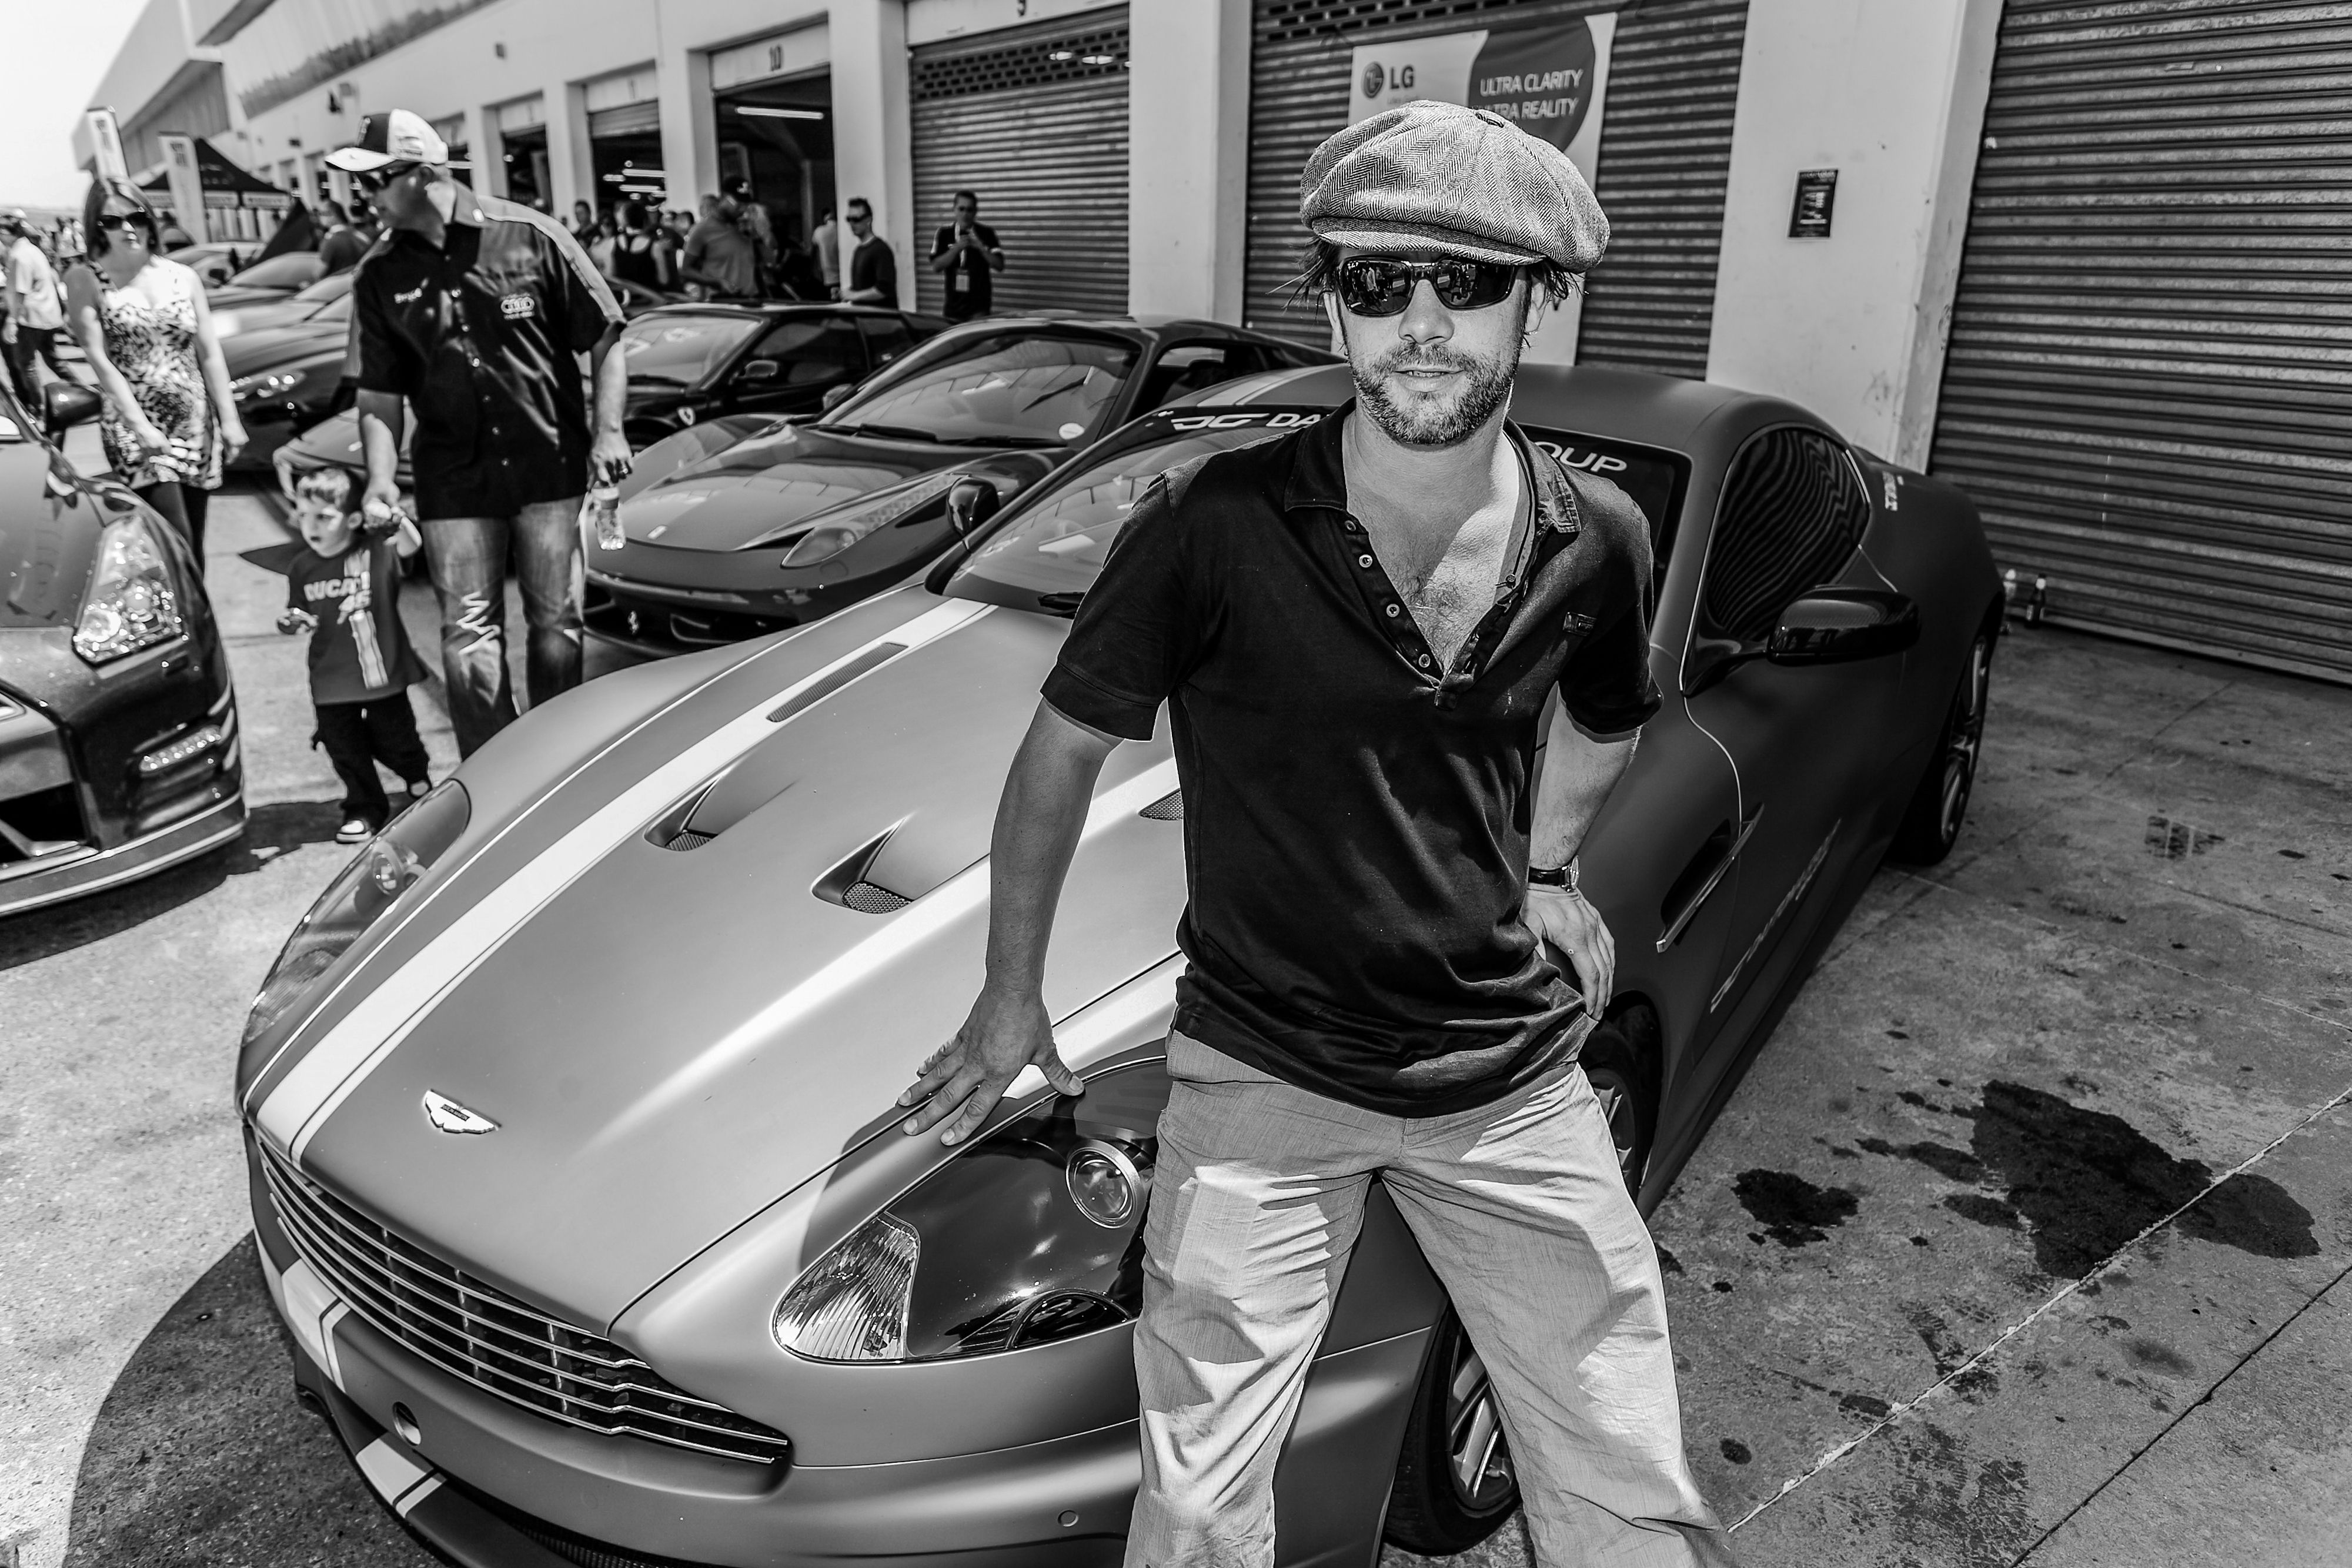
1378, 79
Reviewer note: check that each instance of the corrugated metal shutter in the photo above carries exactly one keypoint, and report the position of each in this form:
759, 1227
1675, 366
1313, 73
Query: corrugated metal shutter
1666, 156
1035, 120
2150, 385
629, 120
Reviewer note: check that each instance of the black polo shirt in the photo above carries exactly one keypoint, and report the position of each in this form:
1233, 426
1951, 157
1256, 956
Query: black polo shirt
482, 335
1356, 818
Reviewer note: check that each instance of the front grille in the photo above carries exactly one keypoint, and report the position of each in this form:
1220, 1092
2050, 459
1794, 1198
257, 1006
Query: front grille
476, 1333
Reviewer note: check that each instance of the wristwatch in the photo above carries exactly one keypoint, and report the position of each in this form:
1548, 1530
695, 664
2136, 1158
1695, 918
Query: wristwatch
1562, 876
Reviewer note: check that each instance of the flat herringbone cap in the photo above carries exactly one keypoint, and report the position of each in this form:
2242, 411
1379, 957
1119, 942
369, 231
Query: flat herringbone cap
1427, 175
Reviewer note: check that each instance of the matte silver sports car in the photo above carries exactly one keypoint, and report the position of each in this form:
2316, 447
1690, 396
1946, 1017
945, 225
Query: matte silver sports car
574, 1152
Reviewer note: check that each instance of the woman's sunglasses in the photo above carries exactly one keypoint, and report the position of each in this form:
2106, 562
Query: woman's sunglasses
120, 223
1383, 286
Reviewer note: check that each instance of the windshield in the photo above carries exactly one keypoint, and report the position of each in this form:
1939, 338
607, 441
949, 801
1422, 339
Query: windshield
291, 270
1021, 388
1049, 550
680, 351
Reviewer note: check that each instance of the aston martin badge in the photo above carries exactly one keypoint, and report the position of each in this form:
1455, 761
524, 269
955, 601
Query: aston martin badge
451, 1117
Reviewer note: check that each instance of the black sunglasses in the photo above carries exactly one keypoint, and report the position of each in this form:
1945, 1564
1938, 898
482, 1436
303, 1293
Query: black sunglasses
375, 180
1384, 284
125, 220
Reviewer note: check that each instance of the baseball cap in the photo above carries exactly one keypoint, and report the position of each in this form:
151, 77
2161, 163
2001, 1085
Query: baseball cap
1429, 175
398, 137
13, 218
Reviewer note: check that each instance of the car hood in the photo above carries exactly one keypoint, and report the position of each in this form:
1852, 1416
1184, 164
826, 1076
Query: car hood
250, 351
236, 296
671, 1039
47, 543
260, 315
752, 489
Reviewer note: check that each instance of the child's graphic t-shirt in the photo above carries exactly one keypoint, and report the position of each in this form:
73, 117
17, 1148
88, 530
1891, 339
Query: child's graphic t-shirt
360, 652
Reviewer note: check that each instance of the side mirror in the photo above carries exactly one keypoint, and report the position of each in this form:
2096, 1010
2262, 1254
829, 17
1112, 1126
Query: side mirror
760, 370
836, 396
971, 502
1839, 625
65, 404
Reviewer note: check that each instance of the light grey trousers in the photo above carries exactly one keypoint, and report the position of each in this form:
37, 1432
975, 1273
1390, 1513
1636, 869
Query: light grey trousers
1519, 1207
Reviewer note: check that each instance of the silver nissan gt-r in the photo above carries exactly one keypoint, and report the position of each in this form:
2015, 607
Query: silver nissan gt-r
575, 1157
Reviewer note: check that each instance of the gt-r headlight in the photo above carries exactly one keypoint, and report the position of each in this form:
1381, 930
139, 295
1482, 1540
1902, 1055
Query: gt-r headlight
131, 601
387, 867
836, 530
1032, 1235
264, 384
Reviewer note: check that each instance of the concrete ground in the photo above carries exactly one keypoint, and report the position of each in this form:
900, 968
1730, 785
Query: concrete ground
2024, 1241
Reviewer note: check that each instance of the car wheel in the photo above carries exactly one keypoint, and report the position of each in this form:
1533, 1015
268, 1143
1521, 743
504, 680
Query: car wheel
1621, 1062
1931, 822
1455, 1485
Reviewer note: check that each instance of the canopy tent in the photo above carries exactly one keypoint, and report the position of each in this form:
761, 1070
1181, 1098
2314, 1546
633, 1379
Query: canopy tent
224, 185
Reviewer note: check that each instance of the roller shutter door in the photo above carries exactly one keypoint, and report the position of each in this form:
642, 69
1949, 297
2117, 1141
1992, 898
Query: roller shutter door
2149, 384
1666, 156
1035, 120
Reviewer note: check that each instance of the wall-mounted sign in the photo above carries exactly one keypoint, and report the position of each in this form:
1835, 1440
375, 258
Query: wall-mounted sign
1816, 196
1550, 80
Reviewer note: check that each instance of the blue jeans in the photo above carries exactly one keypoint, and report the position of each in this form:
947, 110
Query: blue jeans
469, 559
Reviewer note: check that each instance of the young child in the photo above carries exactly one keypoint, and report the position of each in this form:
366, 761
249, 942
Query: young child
344, 590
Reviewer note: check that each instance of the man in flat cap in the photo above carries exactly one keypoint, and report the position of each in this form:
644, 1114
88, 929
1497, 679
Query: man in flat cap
1356, 628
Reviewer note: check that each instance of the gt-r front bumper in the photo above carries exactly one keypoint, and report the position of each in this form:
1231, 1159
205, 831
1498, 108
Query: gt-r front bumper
52, 879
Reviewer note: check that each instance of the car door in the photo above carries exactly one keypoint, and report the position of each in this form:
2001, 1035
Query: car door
793, 365
1801, 739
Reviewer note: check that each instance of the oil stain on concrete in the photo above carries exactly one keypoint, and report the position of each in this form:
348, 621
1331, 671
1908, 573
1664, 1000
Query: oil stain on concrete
2084, 1183
1792, 1210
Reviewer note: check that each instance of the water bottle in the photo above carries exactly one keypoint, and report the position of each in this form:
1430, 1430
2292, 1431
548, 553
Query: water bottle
601, 513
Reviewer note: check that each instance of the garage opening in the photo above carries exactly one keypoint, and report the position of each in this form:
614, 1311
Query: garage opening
522, 151
772, 103
625, 154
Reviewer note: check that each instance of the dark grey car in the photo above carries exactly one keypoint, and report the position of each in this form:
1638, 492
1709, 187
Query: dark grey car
574, 1150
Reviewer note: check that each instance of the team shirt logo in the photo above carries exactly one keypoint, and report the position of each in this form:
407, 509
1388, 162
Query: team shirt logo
515, 307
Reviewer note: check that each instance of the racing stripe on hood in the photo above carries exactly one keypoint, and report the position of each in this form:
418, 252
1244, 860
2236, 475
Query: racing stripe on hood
315, 1086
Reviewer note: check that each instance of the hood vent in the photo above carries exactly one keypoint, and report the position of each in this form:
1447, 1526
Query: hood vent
847, 884
1168, 807
868, 899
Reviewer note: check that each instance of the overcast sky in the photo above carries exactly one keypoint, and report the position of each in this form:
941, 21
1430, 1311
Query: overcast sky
56, 50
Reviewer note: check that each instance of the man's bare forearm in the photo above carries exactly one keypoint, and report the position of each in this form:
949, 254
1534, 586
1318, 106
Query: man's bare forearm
1579, 775
1038, 822
611, 372
380, 427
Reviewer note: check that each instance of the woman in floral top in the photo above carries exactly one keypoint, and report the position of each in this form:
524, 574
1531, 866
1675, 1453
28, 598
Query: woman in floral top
170, 422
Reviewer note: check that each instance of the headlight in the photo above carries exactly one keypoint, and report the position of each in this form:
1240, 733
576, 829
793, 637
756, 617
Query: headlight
264, 384
130, 603
386, 868
1034, 1234
836, 530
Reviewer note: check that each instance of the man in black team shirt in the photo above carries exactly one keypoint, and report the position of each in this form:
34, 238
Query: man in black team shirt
476, 311
1355, 629
966, 251
873, 270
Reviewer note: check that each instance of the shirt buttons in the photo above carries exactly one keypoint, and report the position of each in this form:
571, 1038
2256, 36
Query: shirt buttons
1422, 661
1364, 561
1393, 611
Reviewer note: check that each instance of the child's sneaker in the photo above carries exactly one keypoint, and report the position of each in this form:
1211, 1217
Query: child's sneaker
354, 830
